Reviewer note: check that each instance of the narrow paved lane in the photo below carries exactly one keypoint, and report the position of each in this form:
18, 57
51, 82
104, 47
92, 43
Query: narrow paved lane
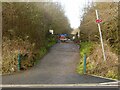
57, 67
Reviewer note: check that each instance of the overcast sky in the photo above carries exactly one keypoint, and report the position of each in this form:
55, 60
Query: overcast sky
74, 10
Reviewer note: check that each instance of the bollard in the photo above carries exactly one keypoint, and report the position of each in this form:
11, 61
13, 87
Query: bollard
84, 63
19, 62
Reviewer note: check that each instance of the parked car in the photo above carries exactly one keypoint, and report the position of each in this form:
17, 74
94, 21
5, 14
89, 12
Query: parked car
63, 38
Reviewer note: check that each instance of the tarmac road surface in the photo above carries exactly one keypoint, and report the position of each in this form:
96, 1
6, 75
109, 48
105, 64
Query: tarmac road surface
56, 67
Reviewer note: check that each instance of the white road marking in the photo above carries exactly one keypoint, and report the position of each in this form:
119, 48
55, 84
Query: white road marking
102, 77
111, 83
59, 85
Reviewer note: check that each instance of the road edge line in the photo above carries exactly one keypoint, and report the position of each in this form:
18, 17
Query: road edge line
59, 85
110, 83
103, 77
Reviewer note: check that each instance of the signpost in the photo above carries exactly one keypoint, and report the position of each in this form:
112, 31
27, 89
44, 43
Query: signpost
98, 22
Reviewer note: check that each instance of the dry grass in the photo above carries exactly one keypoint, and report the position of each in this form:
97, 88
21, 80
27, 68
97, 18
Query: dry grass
29, 54
96, 65
10, 50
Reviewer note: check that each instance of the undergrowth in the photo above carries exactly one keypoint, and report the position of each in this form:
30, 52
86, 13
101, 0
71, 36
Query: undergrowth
85, 48
29, 55
95, 64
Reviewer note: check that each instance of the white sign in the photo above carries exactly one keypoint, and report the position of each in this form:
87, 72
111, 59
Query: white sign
51, 31
73, 37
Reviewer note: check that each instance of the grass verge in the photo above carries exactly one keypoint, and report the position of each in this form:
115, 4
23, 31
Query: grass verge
85, 48
95, 64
